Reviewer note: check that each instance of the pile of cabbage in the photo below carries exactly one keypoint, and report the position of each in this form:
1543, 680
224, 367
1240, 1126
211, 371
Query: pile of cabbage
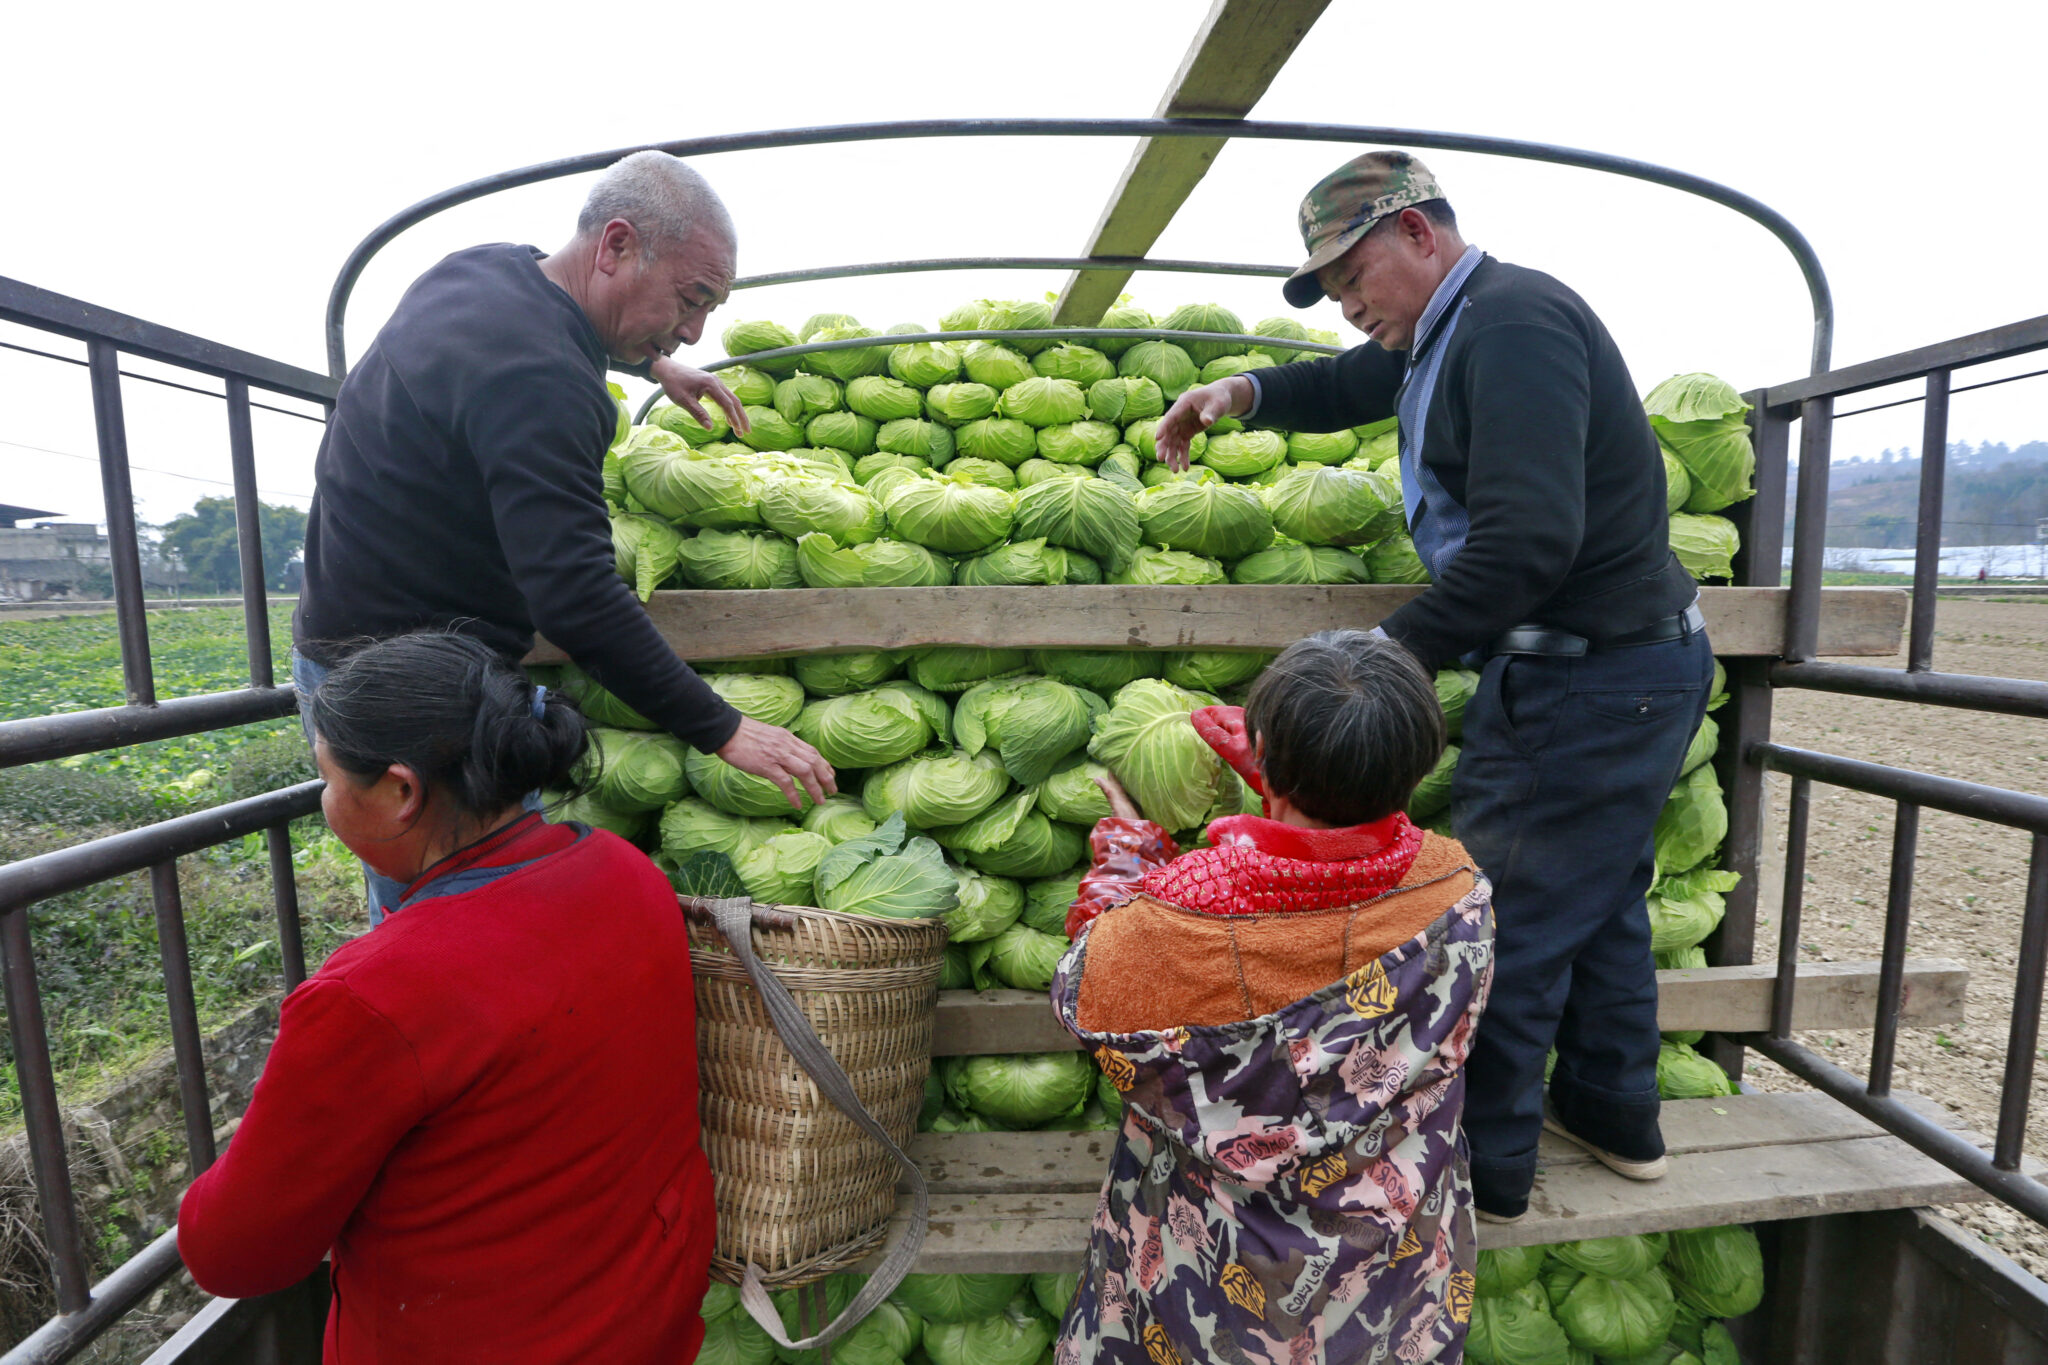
930, 1320
991, 464
1657, 1299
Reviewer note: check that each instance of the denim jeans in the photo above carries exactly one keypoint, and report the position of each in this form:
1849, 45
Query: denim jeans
1566, 765
380, 891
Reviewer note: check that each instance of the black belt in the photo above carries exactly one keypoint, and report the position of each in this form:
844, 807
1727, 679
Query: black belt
1549, 640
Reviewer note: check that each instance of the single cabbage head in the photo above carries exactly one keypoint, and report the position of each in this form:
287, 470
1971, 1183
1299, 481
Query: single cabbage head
1020, 1090
889, 874
1284, 329
1033, 723
1321, 447
835, 675
1142, 437
1003, 439
1015, 1336
780, 872
818, 322
1705, 545
801, 397
1155, 567
838, 819
1700, 418
745, 338
1048, 899
798, 506
677, 420
1024, 959
1147, 739
1065, 360
1718, 1271
1240, 454
928, 440
847, 431
770, 430
1692, 824
865, 468
738, 559
1020, 563
1224, 366
1071, 796
644, 551
693, 826
883, 398
974, 469
695, 488
1205, 317
884, 563
1212, 670
1017, 315
870, 729
1683, 1074
958, 1298
1618, 1317
1301, 564
736, 792
1216, 520
1034, 472
1102, 671
951, 514
771, 698
959, 404
1042, 402
1093, 516
1123, 400
996, 366
1394, 560
1162, 362
1076, 443
1123, 316
633, 770
988, 906
850, 363
955, 668
935, 789
925, 364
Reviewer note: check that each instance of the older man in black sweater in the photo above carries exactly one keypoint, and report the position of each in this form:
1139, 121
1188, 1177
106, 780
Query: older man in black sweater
460, 481
1535, 496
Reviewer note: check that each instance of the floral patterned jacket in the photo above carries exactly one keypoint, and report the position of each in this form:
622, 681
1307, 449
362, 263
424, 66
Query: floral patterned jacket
1292, 1188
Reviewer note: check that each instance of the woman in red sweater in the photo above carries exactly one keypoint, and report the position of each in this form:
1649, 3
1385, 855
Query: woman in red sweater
487, 1109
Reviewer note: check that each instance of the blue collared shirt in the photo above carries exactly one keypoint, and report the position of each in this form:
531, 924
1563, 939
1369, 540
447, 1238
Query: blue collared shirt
1437, 522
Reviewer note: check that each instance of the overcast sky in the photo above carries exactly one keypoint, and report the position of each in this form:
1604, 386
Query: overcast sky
209, 166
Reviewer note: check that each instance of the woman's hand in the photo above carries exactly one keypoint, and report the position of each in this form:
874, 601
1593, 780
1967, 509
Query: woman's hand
1222, 729
782, 758
1193, 413
687, 386
1120, 803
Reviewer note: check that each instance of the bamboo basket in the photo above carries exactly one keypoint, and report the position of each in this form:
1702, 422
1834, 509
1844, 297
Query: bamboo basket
801, 1190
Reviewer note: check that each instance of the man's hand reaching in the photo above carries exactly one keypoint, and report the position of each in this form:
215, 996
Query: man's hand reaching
1194, 412
687, 387
776, 754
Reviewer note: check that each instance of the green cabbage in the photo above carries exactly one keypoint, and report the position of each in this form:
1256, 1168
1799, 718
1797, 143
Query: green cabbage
1101, 671
1379, 443
1510, 1331
925, 364
955, 668
847, 431
1014, 315
818, 322
1700, 418
796, 507
955, 975
678, 421
1217, 520
1285, 328
1032, 723
878, 564
1084, 365
1020, 1090
1122, 462
1719, 1271
1692, 824
1205, 317
958, 404
1017, 564
1024, 959
988, 906
1432, 795
996, 366
840, 818
1331, 505
745, 338
1321, 447
633, 770
1148, 741
1224, 366
693, 826
769, 430
884, 1337
1011, 839
801, 397
1124, 315
958, 1298
851, 363
1394, 560
559, 808
965, 318
974, 469
1093, 516
812, 462
1717, 1347
1212, 670
1173, 568
883, 398
600, 707
1125, 399
1686, 906
780, 872
753, 387
770, 698
1618, 1317
1078, 442
1683, 1074
1042, 402
1048, 899
1054, 1293
1015, 1336
1142, 436
929, 441
1705, 741
1504, 1270
935, 789
736, 792
734, 1339
693, 487
644, 551
1617, 1258
1003, 439
869, 729
1455, 688
1301, 564
1070, 795
834, 675
949, 513
1162, 362
1037, 471
868, 466
1677, 483
889, 874
1238, 454
1705, 545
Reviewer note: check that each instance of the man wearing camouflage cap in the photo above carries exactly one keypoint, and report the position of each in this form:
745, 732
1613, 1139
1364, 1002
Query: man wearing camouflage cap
1535, 497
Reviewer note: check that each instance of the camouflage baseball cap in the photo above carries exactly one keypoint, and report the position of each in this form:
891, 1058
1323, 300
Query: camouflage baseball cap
1346, 203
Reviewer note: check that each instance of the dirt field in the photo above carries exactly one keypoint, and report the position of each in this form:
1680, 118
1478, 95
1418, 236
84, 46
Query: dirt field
1968, 888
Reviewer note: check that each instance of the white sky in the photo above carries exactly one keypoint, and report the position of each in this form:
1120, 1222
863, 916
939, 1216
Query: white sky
208, 167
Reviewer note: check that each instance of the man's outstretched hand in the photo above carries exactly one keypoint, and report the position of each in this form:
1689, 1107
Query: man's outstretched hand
776, 754
1193, 413
687, 387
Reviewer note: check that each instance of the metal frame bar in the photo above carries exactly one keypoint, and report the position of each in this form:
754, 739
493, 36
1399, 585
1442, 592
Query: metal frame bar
911, 267
37, 739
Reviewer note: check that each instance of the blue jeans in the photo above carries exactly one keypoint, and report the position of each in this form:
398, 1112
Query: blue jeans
380, 891
1566, 765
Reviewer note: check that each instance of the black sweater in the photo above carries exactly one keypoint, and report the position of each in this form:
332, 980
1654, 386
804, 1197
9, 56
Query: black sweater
460, 485
1536, 428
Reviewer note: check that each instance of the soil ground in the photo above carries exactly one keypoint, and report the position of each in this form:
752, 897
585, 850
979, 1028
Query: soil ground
1969, 884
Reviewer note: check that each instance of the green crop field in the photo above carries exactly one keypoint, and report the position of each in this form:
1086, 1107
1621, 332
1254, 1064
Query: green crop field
96, 950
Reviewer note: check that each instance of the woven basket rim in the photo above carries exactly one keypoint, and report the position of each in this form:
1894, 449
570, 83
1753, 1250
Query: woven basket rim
841, 916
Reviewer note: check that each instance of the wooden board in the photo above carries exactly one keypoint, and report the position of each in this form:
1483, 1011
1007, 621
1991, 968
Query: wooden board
723, 625
1831, 995
1237, 52
1739, 1159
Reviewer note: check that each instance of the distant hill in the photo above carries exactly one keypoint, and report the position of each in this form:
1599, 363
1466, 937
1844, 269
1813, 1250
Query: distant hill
1995, 495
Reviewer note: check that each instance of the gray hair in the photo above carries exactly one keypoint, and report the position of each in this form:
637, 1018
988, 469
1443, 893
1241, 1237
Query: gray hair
662, 196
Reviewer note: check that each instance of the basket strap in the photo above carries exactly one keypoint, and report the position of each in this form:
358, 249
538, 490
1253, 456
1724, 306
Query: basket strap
735, 921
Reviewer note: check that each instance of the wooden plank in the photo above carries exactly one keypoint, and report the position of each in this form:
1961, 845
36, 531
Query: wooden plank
723, 625
1831, 995
1766, 1157
1237, 52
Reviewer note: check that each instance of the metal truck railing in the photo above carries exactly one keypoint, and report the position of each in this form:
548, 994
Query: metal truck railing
86, 1312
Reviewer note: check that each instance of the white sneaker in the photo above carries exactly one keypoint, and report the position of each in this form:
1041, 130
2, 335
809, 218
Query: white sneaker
1620, 1165
1486, 1217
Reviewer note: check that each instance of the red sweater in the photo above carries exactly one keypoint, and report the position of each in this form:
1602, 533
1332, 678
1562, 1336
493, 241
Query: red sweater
487, 1108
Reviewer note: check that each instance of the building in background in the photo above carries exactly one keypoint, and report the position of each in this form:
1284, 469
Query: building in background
65, 559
